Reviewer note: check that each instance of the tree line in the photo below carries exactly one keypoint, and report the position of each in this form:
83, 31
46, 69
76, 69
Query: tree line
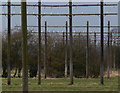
55, 60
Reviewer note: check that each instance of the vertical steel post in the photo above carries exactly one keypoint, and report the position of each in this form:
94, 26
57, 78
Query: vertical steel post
114, 48
79, 43
118, 45
79, 40
71, 42
66, 51
102, 44
79, 37
63, 38
24, 47
118, 41
39, 40
108, 65
95, 39
111, 54
87, 50
45, 57
9, 45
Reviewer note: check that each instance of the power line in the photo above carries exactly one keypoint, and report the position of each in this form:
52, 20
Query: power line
61, 5
97, 14
74, 32
72, 26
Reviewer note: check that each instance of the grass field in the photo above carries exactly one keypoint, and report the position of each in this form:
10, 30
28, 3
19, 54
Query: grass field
60, 84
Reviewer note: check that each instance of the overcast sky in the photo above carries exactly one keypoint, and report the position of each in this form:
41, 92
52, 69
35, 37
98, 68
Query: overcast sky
60, 20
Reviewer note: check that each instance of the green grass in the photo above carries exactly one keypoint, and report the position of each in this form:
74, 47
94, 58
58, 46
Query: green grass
61, 84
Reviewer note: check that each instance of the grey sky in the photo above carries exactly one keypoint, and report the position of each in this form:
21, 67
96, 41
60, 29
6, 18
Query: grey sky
77, 20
